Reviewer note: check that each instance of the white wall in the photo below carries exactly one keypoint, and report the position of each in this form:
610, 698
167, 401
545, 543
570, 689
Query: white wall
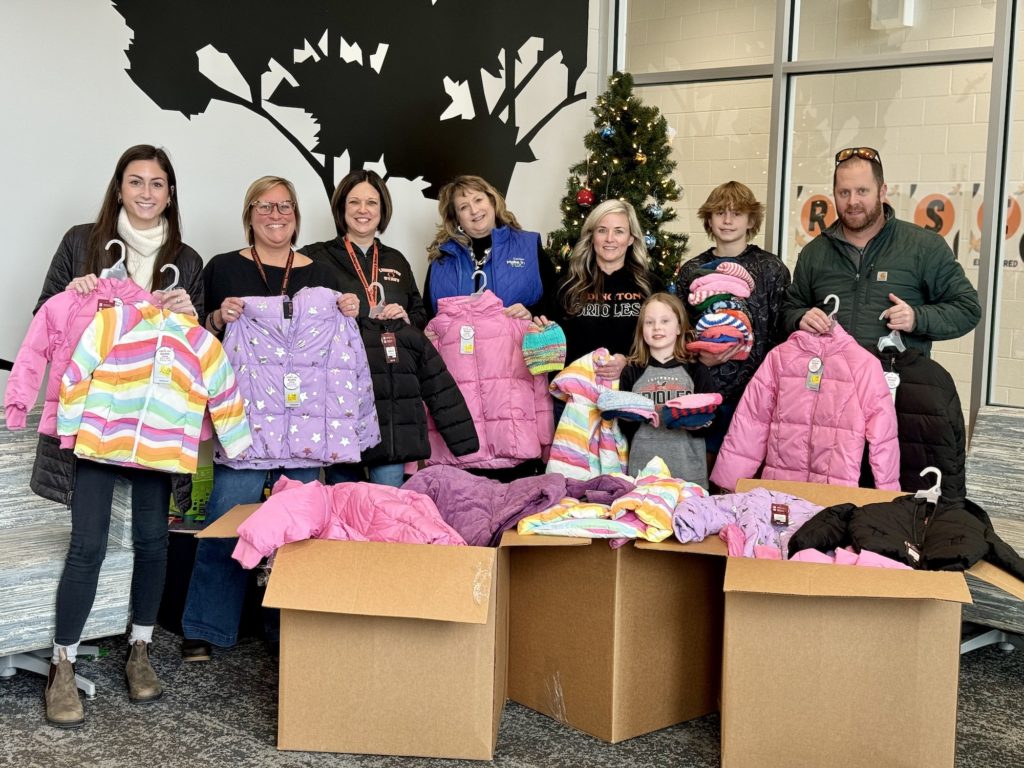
70, 110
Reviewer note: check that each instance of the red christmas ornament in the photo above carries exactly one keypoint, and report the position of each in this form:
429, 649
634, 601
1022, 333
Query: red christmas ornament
585, 197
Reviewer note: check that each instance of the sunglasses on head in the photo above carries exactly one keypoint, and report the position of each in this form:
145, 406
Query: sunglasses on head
865, 153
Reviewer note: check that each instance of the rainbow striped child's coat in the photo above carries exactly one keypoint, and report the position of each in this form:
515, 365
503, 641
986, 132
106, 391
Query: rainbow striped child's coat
137, 386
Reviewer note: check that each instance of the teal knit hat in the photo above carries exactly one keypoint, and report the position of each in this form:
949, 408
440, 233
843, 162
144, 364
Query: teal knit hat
544, 348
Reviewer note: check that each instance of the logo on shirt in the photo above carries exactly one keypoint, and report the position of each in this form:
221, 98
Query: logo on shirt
882, 277
389, 274
516, 261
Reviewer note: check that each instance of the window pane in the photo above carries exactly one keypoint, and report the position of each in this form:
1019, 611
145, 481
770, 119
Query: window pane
930, 126
837, 29
721, 135
1008, 341
669, 35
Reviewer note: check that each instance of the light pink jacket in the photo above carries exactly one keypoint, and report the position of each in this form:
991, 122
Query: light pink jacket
52, 337
346, 512
818, 436
510, 406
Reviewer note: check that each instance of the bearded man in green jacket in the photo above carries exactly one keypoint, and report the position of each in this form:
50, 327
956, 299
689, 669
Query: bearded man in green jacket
888, 274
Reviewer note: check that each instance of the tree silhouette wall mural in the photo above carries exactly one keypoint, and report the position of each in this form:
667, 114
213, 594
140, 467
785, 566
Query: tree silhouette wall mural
388, 82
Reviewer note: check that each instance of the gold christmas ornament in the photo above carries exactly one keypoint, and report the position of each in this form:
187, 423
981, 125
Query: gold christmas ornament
640, 157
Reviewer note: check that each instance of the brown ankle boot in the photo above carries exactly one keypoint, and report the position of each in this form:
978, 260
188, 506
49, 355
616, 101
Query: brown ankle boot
143, 685
63, 706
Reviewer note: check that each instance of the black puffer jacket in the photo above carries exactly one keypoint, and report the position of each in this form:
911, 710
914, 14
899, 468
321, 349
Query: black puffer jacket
930, 423
417, 376
69, 262
53, 473
947, 536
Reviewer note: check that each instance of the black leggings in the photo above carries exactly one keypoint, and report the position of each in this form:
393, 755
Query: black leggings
90, 527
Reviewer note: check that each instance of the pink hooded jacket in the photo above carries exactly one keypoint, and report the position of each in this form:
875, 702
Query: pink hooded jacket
817, 436
345, 512
511, 409
52, 337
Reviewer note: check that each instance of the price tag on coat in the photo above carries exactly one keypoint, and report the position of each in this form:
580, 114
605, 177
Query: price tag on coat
292, 390
163, 365
814, 373
466, 337
892, 379
390, 347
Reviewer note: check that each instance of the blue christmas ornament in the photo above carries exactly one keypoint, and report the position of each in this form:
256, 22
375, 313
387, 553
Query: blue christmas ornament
650, 241
672, 288
655, 211
607, 132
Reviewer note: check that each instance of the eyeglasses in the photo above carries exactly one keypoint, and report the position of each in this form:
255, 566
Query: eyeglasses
285, 207
864, 153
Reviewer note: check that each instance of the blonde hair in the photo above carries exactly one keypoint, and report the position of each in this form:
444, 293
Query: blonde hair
449, 228
640, 353
257, 188
732, 196
584, 275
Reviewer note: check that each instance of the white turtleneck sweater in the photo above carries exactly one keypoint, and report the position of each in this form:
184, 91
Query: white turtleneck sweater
143, 247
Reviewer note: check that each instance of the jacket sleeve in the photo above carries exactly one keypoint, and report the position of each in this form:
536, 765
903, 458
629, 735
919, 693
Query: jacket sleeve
548, 282
428, 303
62, 269
190, 267
414, 307
777, 281
880, 425
367, 426
746, 442
446, 404
99, 338
826, 531
29, 369
227, 411
798, 297
291, 515
953, 308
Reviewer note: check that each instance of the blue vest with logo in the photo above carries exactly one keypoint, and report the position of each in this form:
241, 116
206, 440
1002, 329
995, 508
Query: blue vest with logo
513, 274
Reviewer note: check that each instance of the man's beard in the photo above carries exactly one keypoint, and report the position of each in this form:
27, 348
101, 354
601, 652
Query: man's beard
870, 216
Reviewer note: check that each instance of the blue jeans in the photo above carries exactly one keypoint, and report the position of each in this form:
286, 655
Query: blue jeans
381, 474
90, 526
216, 593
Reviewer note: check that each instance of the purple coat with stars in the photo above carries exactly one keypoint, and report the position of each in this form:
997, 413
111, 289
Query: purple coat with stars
305, 382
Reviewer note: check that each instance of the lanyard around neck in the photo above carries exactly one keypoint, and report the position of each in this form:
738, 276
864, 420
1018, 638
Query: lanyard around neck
263, 274
371, 293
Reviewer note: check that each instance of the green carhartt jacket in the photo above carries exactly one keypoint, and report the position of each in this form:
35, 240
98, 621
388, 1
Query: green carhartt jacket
903, 259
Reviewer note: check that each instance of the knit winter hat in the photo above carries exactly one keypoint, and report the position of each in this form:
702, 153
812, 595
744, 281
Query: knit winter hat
690, 411
544, 348
615, 404
718, 282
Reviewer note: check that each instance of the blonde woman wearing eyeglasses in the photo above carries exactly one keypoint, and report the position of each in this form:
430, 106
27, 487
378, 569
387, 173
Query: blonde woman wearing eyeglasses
269, 266
888, 274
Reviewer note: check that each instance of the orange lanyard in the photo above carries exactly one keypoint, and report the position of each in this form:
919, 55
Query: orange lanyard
371, 293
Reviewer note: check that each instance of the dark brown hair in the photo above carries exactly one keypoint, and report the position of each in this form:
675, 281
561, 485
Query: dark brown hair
347, 184
105, 228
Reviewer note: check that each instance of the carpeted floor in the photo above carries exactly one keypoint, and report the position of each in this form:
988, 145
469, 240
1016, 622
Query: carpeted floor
224, 714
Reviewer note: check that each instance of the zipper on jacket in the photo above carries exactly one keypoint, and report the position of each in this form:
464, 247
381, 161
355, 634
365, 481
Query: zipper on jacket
150, 388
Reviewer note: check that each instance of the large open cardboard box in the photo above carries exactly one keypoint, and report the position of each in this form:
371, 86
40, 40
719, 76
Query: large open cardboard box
839, 666
392, 649
615, 642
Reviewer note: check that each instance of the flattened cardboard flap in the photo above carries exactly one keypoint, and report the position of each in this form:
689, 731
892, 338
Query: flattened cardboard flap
226, 526
818, 493
515, 539
418, 581
818, 580
712, 545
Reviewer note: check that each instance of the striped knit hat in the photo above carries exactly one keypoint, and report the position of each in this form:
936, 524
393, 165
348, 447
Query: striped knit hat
615, 404
544, 348
691, 411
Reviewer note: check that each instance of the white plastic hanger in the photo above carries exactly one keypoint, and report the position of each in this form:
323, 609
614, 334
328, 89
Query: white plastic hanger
931, 495
891, 340
835, 308
175, 272
118, 271
377, 308
483, 283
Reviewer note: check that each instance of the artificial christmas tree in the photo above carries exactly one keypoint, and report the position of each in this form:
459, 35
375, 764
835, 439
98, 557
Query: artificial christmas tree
628, 157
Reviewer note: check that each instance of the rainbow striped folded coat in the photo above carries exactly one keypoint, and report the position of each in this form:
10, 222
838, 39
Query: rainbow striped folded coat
138, 384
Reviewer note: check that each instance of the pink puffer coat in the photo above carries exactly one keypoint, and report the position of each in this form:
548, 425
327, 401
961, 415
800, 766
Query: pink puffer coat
511, 409
818, 436
345, 512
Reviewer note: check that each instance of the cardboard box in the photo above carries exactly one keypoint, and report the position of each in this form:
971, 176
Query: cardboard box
616, 643
839, 666
392, 649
